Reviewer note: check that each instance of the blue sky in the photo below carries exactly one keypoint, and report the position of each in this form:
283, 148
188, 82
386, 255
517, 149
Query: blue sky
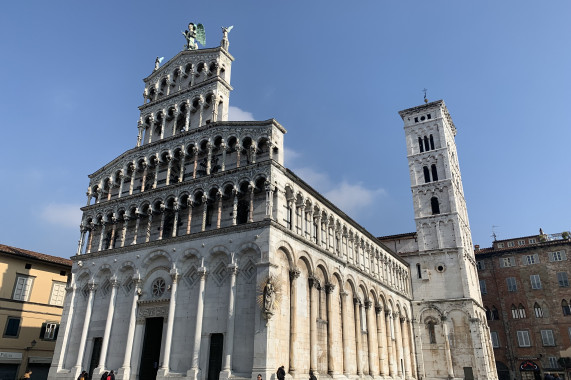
333, 73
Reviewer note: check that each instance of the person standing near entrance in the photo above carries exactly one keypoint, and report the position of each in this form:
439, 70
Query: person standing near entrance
259, 376
281, 373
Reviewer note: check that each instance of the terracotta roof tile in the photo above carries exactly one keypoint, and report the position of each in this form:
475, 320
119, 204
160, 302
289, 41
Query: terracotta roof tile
5, 249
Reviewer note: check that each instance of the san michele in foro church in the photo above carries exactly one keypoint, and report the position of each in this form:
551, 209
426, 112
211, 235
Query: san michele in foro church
202, 257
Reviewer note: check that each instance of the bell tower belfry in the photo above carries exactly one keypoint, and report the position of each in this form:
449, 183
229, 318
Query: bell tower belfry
447, 302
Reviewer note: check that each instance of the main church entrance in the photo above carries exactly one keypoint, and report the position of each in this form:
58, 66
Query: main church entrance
151, 349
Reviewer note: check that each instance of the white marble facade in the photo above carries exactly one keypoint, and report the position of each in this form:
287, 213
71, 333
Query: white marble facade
181, 235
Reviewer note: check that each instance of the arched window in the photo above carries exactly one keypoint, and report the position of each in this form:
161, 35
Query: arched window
426, 174
495, 313
515, 314
431, 142
538, 311
434, 172
565, 308
243, 211
489, 315
420, 146
521, 311
431, 333
426, 146
418, 271
435, 206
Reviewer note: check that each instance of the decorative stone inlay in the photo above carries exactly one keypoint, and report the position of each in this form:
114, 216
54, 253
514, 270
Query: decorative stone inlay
192, 276
219, 273
249, 271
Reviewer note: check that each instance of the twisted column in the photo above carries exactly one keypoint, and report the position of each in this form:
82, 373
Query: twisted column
162, 209
149, 222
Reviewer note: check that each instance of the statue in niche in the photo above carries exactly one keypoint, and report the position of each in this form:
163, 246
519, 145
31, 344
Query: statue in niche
269, 296
194, 31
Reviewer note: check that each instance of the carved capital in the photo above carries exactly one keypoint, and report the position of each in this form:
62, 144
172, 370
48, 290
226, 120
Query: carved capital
356, 301
378, 309
294, 274
329, 287
368, 304
314, 282
443, 318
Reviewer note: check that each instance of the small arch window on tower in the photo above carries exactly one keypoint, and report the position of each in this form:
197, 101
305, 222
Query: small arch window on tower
434, 172
426, 146
418, 271
435, 206
426, 174
431, 142
538, 310
420, 145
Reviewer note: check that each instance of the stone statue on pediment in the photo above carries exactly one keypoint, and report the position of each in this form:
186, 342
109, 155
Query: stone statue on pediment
194, 31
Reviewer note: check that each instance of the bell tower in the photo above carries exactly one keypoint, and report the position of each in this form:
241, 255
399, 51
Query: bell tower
447, 300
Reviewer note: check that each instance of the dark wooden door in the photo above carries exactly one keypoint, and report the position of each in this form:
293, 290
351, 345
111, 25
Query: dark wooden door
151, 353
215, 357
95, 355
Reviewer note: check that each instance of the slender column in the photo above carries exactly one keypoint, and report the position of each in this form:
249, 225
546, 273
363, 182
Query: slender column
98, 194
162, 225
108, 324
269, 200
223, 147
345, 330
229, 344
170, 321
235, 207
293, 276
219, 212
126, 219
372, 347
251, 212
83, 340
209, 158
89, 195
163, 123
301, 230
190, 205
150, 128
144, 178
90, 240
103, 225
121, 182
187, 120
413, 349
64, 335
357, 312
195, 154
313, 300
449, 366
126, 367
214, 107
198, 324
157, 167
181, 175
169, 168
318, 228
200, 111
204, 211
398, 343
110, 182
133, 171
382, 341
390, 347
175, 117
238, 152
175, 222
81, 238
137, 223
252, 154
140, 134
330, 358
113, 231
150, 221
406, 348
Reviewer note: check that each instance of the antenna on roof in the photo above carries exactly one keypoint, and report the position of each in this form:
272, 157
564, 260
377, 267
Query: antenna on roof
425, 99
494, 233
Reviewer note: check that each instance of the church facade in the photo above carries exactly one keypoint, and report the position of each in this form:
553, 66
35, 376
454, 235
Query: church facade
201, 256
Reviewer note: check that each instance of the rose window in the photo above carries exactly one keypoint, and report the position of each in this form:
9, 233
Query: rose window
158, 288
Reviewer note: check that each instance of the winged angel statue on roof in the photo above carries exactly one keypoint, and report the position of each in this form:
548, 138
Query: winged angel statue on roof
194, 31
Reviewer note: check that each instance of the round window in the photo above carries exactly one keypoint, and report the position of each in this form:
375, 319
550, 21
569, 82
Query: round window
440, 267
158, 288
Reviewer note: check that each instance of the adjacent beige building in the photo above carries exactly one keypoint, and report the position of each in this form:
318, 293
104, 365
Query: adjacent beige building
32, 292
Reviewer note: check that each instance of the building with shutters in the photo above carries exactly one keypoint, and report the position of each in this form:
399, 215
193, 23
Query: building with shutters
202, 257
524, 283
32, 292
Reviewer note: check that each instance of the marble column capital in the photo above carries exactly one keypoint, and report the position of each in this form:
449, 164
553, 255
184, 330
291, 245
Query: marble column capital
378, 309
174, 275
343, 293
233, 268
368, 304
357, 301
294, 274
443, 318
114, 282
314, 282
329, 287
